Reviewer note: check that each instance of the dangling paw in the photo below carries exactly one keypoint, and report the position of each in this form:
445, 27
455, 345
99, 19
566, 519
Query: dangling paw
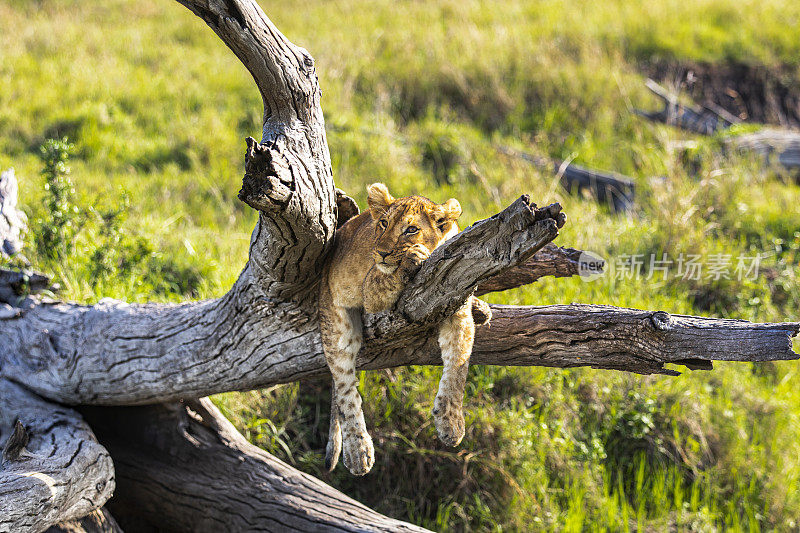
358, 453
448, 415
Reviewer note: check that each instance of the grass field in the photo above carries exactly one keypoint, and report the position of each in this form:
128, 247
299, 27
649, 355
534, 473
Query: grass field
422, 96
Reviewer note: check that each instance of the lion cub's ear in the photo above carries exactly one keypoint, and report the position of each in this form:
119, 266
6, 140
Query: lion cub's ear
446, 215
451, 209
378, 199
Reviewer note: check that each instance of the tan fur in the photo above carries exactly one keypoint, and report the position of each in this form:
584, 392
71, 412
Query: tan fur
375, 256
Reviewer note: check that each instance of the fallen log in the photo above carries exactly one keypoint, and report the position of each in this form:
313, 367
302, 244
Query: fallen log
778, 148
114, 353
615, 190
705, 120
184, 467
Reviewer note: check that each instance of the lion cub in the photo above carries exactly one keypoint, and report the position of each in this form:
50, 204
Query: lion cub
375, 255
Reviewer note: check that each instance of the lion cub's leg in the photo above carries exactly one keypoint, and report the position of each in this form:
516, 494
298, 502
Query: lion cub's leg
334, 446
341, 340
456, 335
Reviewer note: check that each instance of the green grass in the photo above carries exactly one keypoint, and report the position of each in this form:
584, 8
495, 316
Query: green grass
421, 95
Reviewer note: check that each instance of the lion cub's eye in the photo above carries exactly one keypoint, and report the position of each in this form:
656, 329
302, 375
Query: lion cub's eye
411, 230
382, 223
440, 224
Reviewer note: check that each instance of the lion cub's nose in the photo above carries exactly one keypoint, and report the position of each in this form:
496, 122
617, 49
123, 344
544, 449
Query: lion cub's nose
383, 255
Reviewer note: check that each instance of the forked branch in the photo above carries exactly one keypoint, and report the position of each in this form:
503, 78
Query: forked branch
288, 174
119, 354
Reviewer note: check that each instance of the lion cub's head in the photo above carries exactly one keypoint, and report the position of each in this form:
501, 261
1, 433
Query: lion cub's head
403, 222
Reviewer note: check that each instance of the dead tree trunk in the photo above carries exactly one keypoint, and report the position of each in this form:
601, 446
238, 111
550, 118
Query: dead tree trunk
137, 371
183, 467
53, 469
779, 149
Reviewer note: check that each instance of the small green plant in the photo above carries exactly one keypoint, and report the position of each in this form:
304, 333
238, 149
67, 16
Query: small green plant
92, 239
62, 220
106, 258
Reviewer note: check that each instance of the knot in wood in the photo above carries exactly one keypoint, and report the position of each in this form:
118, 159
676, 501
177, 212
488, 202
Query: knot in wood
268, 182
661, 320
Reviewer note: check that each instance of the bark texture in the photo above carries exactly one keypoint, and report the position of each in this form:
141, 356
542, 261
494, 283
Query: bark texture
53, 469
119, 354
625, 339
288, 175
551, 260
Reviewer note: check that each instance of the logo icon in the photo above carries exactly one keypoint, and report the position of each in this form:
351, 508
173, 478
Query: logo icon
590, 266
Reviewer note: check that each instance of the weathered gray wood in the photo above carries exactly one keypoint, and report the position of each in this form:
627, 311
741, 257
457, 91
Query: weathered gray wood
288, 175
12, 219
551, 260
611, 189
53, 369
616, 338
175, 460
606, 337
54, 469
98, 521
184, 467
780, 148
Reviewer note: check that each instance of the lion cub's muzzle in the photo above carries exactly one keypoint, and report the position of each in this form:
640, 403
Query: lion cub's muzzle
384, 261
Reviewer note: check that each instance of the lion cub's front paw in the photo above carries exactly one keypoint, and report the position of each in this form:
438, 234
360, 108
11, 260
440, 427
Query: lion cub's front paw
448, 415
358, 453
414, 257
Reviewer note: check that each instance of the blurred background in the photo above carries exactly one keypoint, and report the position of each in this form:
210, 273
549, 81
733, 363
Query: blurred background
125, 123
